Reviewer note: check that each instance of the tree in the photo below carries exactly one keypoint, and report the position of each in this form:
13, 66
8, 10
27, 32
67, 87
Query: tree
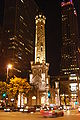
3, 87
65, 90
16, 86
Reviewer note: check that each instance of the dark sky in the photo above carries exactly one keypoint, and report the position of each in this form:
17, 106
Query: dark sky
52, 11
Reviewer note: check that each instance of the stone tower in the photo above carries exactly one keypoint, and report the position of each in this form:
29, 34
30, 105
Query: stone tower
40, 39
39, 77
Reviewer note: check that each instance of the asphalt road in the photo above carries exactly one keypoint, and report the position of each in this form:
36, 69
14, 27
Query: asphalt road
69, 115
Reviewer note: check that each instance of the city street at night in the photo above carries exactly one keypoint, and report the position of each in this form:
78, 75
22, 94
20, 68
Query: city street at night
39, 59
69, 115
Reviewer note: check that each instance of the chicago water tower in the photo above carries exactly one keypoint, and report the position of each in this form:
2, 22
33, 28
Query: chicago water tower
39, 76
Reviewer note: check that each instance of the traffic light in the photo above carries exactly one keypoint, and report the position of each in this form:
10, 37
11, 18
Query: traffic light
49, 95
4, 95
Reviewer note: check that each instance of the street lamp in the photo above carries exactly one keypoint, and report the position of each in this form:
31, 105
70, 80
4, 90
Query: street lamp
9, 66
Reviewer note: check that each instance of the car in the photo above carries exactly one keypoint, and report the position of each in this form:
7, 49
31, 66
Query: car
59, 113
37, 108
51, 113
14, 109
61, 107
1, 107
29, 109
7, 108
21, 109
79, 109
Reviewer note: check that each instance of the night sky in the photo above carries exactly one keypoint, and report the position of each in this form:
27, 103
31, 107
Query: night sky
52, 11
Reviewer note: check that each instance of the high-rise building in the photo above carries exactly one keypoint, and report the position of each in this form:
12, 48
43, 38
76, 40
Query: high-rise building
70, 56
17, 35
70, 39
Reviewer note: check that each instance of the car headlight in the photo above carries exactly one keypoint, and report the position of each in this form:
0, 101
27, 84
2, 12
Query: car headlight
4, 109
21, 110
78, 109
25, 110
8, 109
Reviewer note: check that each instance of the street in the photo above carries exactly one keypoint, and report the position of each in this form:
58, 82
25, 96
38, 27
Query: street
69, 115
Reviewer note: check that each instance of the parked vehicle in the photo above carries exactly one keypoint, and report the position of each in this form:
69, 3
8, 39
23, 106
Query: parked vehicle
37, 108
14, 109
2, 105
7, 108
29, 109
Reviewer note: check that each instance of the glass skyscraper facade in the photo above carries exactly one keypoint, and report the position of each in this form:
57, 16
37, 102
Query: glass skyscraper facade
70, 51
17, 36
70, 40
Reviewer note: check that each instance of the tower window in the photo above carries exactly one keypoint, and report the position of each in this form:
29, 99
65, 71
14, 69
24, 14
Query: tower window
37, 59
41, 48
41, 26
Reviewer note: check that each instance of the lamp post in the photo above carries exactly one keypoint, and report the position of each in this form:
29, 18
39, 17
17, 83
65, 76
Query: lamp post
9, 66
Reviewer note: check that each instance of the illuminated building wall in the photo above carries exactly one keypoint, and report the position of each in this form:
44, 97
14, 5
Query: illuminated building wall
18, 34
70, 41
